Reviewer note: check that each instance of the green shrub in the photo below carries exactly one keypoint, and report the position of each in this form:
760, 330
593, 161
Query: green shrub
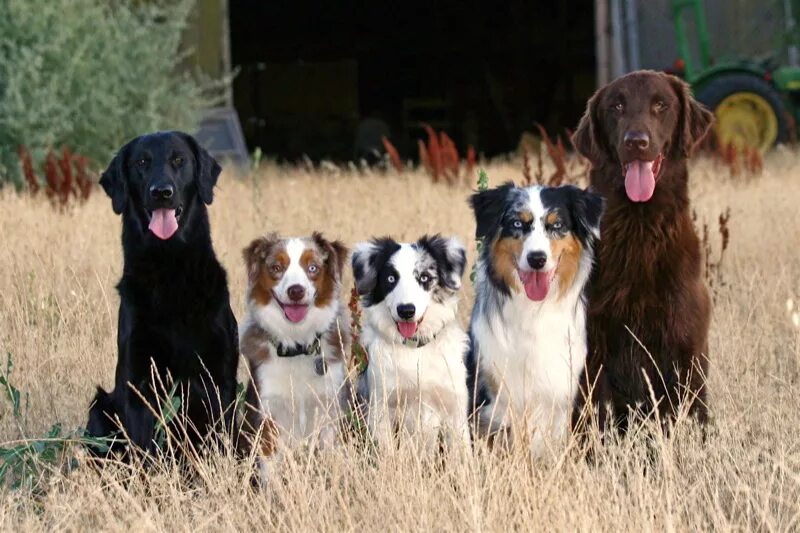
91, 74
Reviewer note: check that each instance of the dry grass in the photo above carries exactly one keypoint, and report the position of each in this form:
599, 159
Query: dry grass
59, 320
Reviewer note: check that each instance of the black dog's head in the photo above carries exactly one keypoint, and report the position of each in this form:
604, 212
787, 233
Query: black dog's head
160, 182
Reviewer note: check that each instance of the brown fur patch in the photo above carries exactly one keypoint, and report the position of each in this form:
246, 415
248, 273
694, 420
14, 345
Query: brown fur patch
260, 256
526, 216
254, 344
330, 258
551, 218
269, 437
505, 252
567, 253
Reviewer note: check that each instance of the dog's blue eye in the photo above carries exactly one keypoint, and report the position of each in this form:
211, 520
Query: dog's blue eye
517, 224
390, 279
313, 269
557, 225
424, 278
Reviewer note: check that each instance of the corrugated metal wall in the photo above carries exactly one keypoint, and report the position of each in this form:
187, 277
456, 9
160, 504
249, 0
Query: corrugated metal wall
752, 28
749, 29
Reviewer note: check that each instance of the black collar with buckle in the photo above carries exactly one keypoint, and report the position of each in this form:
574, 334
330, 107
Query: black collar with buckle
415, 342
315, 348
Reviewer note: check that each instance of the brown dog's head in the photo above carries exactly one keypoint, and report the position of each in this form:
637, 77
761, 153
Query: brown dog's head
642, 122
294, 283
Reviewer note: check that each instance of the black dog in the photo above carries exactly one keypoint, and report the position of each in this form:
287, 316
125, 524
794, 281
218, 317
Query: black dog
175, 320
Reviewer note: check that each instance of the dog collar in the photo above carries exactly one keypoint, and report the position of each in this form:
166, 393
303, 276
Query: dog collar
315, 348
414, 342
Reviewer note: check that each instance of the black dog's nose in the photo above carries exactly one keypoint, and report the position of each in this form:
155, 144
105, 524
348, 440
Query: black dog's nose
636, 140
406, 311
537, 259
296, 293
162, 192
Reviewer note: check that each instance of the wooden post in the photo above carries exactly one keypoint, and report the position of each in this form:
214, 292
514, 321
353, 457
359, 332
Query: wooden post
601, 41
618, 57
632, 32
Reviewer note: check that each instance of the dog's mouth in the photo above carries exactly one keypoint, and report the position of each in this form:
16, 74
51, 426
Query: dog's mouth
294, 313
537, 283
164, 221
407, 329
641, 177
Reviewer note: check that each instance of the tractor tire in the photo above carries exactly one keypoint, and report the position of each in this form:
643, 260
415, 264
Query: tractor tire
748, 109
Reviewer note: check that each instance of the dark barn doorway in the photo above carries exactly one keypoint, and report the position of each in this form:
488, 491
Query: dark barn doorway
484, 71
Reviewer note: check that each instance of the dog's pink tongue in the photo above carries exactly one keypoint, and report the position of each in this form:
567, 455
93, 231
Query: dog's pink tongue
163, 223
295, 313
640, 181
536, 284
407, 329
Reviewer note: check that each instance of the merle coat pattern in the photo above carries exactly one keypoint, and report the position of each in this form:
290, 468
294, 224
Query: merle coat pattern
649, 309
174, 313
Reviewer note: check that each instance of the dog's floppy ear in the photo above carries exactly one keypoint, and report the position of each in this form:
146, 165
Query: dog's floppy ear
587, 210
694, 120
451, 257
368, 258
336, 254
207, 169
588, 138
256, 254
489, 206
115, 178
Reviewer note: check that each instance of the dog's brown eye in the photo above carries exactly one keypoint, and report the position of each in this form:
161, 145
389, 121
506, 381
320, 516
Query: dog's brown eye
618, 107
277, 268
660, 106
177, 161
141, 162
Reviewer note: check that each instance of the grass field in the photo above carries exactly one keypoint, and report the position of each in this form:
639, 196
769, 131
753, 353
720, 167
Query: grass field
58, 321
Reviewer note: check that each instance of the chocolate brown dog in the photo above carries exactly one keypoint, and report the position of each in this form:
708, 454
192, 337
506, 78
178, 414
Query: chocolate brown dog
649, 309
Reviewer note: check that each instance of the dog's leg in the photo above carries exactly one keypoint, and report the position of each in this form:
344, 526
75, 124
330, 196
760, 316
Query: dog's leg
379, 422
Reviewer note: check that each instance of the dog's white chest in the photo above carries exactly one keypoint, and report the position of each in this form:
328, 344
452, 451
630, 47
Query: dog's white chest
297, 398
533, 357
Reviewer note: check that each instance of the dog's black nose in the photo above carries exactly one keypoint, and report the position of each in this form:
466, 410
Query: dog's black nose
162, 191
636, 140
537, 259
296, 293
406, 311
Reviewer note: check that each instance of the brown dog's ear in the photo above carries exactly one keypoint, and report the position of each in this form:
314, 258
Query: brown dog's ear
694, 120
588, 137
336, 253
256, 254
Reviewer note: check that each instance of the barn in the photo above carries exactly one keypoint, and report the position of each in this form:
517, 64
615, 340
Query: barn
313, 77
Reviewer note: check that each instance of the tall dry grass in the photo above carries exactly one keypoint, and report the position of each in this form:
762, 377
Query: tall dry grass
58, 321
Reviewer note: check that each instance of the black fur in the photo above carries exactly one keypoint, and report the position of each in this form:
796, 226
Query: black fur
174, 304
370, 270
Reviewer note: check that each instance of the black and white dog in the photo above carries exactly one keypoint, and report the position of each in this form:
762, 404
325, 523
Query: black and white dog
416, 378
528, 326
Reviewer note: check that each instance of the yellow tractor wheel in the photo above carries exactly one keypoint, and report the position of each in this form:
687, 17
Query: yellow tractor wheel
749, 111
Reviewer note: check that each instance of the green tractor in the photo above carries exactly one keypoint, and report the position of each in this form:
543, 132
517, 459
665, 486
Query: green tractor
756, 103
